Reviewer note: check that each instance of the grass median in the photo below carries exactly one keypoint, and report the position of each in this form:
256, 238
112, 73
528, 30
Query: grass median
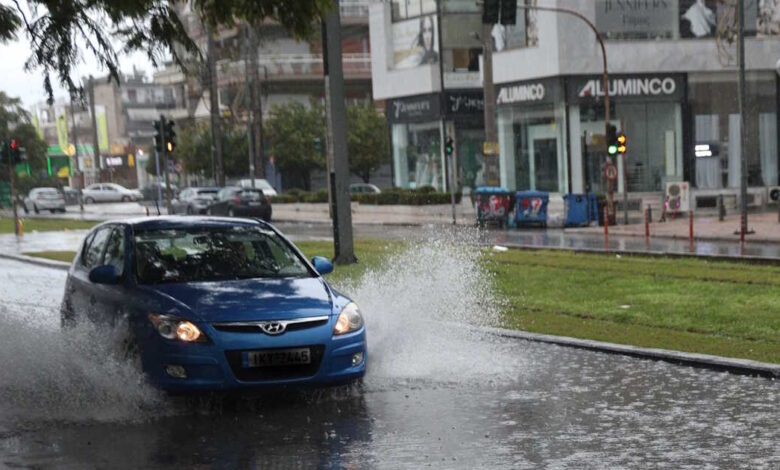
722, 308
45, 225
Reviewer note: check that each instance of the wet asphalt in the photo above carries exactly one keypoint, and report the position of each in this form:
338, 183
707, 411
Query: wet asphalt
471, 401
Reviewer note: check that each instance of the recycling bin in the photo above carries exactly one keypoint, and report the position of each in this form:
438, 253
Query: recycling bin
576, 210
492, 205
532, 208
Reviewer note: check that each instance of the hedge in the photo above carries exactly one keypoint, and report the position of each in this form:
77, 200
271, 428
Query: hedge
425, 195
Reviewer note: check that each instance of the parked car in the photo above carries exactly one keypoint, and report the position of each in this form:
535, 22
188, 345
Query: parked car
233, 201
44, 199
214, 304
149, 191
268, 190
363, 188
109, 192
194, 200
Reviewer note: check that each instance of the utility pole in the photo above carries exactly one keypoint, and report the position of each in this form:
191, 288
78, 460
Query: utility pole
216, 127
249, 86
256, 105
75, 136
489, 91
6, 150
164, 128
337, 135
743, 228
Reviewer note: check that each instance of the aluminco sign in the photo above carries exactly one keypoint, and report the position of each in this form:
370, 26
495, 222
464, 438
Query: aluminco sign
646, 86
521, 93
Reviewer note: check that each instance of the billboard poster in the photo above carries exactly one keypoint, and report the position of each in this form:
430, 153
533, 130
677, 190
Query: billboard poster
102, 128
415, 42
648, 19
700, 18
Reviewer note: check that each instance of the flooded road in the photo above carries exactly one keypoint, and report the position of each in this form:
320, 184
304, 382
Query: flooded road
436, 394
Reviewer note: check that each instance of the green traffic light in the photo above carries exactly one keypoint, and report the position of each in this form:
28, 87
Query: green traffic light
612, 149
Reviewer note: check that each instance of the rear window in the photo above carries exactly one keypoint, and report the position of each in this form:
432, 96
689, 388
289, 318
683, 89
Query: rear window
252, 194
207, 192
203, 254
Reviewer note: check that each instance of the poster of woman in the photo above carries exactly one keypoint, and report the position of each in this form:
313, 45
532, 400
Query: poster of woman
415, 42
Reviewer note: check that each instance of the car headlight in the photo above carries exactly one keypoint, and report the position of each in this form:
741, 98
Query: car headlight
349, 320
174, 328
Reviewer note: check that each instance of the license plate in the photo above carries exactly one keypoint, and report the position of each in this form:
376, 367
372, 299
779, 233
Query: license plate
254, 203
277, 357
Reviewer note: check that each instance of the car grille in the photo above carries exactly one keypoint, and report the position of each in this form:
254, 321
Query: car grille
255, 327
256, 374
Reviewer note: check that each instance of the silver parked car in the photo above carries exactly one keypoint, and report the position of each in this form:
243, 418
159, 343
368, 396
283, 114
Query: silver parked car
194, 200
44, 199
109, 192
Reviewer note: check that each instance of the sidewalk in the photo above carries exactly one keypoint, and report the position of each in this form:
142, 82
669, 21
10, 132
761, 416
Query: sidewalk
765, 226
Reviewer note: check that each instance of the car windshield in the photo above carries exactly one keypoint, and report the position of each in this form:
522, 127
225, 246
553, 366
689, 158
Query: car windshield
203, 254
49, 194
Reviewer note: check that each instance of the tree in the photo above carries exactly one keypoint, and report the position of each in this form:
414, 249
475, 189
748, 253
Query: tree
367, 140
11, 112
60, 31
296, 136
34, 147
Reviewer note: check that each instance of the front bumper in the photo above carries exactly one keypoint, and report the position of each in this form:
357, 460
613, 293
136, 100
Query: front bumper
213, 366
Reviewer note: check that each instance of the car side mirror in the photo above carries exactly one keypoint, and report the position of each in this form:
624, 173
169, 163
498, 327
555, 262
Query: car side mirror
105, 274
322, 265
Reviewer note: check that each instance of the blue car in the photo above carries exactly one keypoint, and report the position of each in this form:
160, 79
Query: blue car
213, 304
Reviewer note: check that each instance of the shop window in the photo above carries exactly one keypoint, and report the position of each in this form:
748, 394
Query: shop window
417, 155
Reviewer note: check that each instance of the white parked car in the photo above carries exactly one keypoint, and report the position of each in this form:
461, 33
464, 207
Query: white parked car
363, 188
44, 199
109, 192
262, 184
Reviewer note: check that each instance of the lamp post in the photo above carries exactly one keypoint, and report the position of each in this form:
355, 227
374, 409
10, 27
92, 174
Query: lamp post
610, 189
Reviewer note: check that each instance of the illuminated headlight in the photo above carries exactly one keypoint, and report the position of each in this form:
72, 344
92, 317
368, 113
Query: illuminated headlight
349, 320
174, 328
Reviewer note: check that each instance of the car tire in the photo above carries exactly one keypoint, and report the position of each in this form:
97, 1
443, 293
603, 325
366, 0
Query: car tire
126, 199
54, 211
26, 210
88, 200
35, 208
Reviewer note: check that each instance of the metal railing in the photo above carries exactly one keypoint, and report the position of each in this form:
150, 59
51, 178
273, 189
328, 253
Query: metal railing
294, 65
353, 8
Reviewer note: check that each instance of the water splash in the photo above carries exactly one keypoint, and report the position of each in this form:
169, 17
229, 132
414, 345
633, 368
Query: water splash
421, 306
46, 375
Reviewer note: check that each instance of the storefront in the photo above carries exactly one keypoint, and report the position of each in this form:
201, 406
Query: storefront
417, 126
647, 108
532, 135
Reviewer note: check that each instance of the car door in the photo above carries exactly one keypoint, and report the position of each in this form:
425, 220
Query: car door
221, 206
110, 298
82, 290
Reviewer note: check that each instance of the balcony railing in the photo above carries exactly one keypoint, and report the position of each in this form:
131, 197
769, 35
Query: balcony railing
353, 8
277, 66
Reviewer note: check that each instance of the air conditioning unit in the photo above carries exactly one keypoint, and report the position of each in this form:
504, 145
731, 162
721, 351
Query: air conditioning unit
773, 195
678, 196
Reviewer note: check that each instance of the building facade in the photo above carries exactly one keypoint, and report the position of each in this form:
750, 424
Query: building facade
673, 92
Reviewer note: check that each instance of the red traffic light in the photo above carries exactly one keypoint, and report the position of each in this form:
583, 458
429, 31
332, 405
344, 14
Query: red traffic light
14, 144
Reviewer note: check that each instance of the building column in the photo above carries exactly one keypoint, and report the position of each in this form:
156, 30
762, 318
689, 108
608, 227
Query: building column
575, 140
400, 158
506, 143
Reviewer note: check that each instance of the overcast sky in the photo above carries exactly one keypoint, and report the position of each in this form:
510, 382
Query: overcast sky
14, 81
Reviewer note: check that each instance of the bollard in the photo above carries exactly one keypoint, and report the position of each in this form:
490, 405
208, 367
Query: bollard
606, 228
690, 229
647, 223
650, 214
20, 226
721, 208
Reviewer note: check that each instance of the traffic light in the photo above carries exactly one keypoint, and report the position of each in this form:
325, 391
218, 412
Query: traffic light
170, 137
449, 146
16, 152
612, 143
490, 12
621, 143
158, 135
508, 12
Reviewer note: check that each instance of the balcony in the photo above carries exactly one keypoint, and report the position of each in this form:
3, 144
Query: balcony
285, 67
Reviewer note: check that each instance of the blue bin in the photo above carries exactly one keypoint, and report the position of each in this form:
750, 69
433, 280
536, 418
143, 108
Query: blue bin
531, 208
492, 205
576, 209
593, 207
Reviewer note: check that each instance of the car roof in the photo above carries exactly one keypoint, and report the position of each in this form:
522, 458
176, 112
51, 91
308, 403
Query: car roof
174, 222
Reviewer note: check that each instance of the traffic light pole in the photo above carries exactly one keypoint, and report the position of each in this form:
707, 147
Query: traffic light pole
164, 127
12, 177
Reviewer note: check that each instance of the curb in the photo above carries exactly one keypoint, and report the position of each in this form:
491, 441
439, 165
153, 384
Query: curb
650, 254
61, 265
703, 361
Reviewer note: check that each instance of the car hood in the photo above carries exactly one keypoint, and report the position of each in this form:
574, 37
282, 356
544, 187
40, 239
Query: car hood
251, 299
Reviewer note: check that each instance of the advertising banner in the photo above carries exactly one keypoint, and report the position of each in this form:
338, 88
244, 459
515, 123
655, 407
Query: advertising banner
646, 18
102, 128
62, 127
415, 42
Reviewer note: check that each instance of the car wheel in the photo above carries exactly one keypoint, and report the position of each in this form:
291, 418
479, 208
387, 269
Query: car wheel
231, 213
26, 210
88, 200
35, 208
189, 210
53, 211
125, 198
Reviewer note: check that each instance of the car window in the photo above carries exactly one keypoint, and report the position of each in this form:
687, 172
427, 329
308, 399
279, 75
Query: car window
115, 250
93, 187
97, 245
109, 188
202, 254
